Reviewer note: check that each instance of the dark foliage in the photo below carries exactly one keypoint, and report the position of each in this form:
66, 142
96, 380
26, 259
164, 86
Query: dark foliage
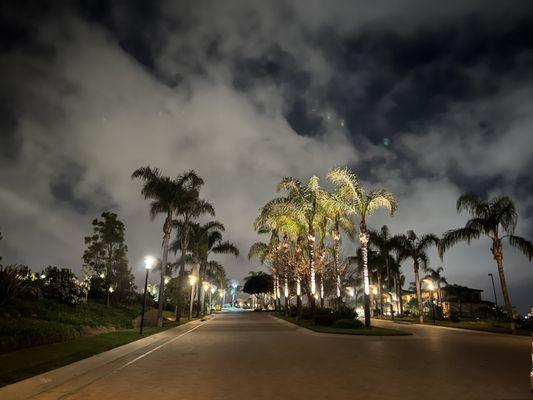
348, 324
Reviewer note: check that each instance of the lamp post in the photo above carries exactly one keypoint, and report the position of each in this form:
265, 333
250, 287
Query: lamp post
148, 263
211, 293
205, 287
192, 281
431, 288
234, 292
495, 298
222, 294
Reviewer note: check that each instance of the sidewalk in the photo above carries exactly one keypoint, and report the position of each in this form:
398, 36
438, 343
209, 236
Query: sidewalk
62, 381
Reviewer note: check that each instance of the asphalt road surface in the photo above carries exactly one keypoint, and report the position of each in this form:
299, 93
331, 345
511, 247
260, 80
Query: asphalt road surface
256, 356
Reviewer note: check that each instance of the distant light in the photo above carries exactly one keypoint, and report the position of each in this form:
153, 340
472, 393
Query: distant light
43, 276
386, 142
167, 280
213, 289
205, 286
102, 275
192, 279
149, 262
111, 290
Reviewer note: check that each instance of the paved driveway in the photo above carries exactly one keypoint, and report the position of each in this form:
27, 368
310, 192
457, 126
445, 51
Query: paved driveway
256, 356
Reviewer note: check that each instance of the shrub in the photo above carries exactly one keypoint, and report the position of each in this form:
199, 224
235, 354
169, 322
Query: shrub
324, 317
14, 282
347, 323
63, 286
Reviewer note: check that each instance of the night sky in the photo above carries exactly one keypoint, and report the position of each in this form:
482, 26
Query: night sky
426, 99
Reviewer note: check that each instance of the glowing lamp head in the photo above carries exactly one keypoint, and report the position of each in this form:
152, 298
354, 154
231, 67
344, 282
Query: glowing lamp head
430, 286
111, 290
167, 280
149, 262
213, 289
102, 275
234, 285
205, 286
192, 279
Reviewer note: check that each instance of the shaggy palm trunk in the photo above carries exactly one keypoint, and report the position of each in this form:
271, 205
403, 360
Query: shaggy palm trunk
201, 292
363, 239
418, 294
167, 228
336, 246
298, 298
399, 288
191, 300
380, 295
286, 294
311, 248
497, 251
181, 274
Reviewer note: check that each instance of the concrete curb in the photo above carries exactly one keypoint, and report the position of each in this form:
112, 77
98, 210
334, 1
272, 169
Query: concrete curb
61, 381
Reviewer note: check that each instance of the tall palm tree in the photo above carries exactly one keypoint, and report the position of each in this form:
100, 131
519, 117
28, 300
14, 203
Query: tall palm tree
384, 244
204, 240
167, 195
497, 219
435, 275
362, 204
189, 210
302, 205
338, 214
414, 247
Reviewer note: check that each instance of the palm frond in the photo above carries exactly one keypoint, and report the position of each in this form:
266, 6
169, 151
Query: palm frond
454, 236
381, 199
524, 245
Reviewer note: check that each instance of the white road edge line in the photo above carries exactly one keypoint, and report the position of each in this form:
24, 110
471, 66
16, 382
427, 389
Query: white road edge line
160, 346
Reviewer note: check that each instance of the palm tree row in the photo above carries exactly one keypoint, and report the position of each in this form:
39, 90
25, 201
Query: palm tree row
305, 225
178, 199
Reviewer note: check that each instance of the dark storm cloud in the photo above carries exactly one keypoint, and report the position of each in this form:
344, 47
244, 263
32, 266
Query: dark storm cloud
427, 99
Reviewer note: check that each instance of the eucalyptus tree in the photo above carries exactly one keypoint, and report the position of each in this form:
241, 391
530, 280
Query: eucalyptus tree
415, 248
361, 203
497, 219
167, 195
192, 208
435, 275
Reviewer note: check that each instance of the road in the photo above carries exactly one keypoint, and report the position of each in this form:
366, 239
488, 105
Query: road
257, 356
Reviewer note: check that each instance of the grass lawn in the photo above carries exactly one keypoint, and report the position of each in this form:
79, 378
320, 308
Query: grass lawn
32, 361
372, 331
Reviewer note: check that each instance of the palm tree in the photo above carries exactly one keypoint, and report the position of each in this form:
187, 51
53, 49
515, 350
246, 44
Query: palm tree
435, 275
205, 240
191, 209
167, 195
301, 205
415, 248
384, 244
362, 204
497, 219
337, 213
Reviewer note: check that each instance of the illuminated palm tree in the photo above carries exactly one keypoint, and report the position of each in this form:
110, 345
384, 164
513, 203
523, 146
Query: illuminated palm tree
495, 218
414, 247
167, 195
362, 204
301, 205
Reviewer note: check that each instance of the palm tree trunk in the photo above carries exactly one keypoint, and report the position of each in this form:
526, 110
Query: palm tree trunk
363, 239
181, 273
167, 228
336, 246
497, 251
200, 294
298, 298
311, 248
380, 294
418, 294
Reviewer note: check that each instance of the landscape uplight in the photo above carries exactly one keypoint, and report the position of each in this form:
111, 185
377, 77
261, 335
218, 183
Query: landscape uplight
192, 281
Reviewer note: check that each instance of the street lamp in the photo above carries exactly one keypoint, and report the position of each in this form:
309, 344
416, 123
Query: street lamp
212, 291
495, 298
431, 287
222, 294
234, 285
192, 281
148, 264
